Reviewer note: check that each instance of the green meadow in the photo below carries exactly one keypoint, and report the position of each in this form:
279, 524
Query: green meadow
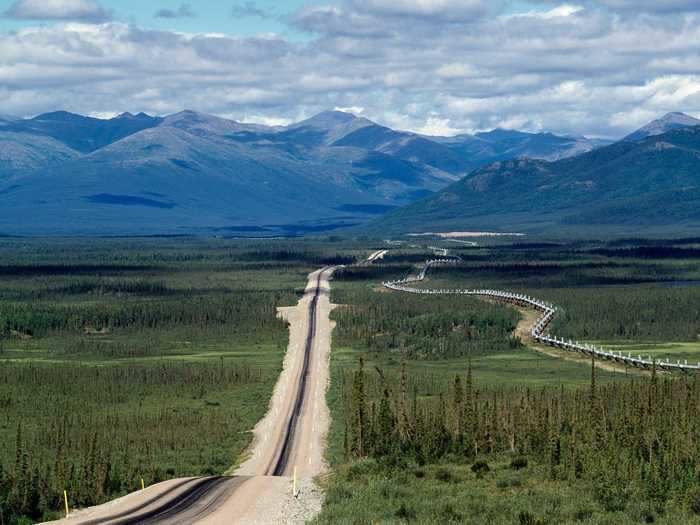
130, 359
412, 443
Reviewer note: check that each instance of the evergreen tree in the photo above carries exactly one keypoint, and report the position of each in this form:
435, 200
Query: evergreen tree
457, 408
385, 425
404, 425
359, 409
469, 419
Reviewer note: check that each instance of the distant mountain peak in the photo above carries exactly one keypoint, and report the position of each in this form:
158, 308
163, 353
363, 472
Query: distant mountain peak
333, 124
501, 133
131, 116
329, 119
672, 115
189, 117
668, 122
204, 123
188, 114
62, 116
676, 117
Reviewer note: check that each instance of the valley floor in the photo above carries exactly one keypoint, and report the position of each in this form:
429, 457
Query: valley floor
153, 359
412, 385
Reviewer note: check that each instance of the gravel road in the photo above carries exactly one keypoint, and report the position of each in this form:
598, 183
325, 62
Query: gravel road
289, 439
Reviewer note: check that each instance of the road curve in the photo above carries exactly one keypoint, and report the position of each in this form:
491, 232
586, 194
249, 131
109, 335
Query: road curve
184, 500
289, 440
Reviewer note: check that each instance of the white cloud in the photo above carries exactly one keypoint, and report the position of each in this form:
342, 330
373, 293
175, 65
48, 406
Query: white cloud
259, 119
567, 70
439, 127
456, 70
559, 11
636, 6
660, 6
104, 115
87, 10
355, 110
443, 9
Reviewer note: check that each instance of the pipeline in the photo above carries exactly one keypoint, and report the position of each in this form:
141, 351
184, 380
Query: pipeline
539, 331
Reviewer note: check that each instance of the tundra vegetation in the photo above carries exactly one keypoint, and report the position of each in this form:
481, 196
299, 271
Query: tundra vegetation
441, 416
130, 359
152, 358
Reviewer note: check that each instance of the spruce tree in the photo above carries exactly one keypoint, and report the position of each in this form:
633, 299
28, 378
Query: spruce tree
469, 419
457, 409
359, 409
385, 425
403, 421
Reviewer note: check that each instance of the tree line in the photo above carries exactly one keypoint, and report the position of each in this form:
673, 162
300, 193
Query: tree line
422, 327
256, 310
97, 431
635, 440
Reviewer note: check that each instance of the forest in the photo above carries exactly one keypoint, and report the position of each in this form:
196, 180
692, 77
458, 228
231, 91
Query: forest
428, 436
601, 298
124, 360
629, 448
422, 327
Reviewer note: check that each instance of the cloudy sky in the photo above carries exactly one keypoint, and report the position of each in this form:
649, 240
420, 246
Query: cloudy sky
596, 67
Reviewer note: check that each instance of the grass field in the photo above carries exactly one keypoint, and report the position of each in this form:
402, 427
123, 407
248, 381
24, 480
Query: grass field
390, 486
660, 351
123, 359
452, 493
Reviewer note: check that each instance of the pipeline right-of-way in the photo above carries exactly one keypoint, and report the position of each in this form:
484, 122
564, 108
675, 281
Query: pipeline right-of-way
539, 330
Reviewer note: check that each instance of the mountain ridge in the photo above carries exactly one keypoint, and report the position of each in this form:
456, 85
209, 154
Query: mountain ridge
193, 172
668, 122
626, 186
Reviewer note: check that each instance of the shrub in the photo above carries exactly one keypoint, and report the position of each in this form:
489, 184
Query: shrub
359, 469
480, 468
443, 474
340, 493
448, 514
405, 513
508, 482
583, 514
692, 499
527, 518
518, 462
612, 496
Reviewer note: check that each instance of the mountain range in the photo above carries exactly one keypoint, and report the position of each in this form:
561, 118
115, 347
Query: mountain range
62, 173
647, 183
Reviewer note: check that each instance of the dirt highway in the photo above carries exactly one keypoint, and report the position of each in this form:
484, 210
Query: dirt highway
290, 438
379, 254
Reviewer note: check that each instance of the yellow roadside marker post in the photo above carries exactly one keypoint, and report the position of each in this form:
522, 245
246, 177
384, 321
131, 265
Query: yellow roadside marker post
294, 485
65, 500
143, 486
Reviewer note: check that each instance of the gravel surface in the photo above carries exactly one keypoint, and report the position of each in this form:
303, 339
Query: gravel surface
265, 499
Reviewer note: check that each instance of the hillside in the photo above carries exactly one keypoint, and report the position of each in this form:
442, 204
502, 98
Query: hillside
628, 187
190, 172
668, 122
502, 144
